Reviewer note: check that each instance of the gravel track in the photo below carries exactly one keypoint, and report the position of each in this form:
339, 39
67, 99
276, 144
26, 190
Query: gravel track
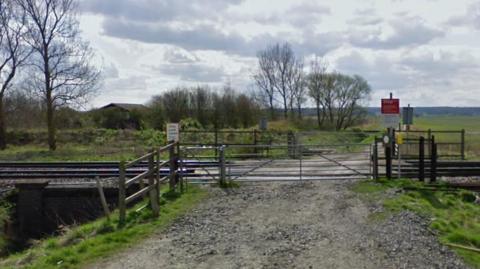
288, 225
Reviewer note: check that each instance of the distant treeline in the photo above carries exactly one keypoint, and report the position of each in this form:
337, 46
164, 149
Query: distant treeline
203, 107
437, 111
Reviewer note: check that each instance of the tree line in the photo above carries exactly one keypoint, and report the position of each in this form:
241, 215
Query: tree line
41, 52
282, 82
194, 107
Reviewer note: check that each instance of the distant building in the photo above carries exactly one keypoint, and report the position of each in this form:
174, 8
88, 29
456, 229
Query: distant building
120, 116
124, 106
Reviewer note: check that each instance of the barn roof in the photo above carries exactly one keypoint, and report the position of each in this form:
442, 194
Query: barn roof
125, 106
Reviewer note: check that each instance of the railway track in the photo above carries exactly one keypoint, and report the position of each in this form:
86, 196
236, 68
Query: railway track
12, 171
83, 170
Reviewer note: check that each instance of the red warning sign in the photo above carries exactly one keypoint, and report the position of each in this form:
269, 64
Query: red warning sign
390, 106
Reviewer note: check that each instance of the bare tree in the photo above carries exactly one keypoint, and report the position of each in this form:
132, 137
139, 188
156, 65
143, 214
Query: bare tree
297, 87
13, 54
201, 103
176, 104
278, 66
265, 79
61, 61
284, 59
316, 81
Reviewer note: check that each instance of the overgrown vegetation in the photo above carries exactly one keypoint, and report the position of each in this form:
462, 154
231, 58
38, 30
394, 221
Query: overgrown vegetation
453, 214
84, 244
5, 213
83, 145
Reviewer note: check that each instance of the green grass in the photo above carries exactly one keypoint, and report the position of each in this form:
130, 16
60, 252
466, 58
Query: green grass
452, 213
84, 244
69, 152
469, 123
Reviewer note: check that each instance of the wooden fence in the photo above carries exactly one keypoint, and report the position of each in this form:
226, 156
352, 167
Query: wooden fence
425, 164
152, 175
450, 143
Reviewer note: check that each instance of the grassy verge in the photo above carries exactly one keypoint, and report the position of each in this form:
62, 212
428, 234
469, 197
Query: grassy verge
86, 243
452, 213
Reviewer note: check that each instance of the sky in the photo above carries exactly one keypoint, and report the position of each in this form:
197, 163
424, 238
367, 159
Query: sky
426, 52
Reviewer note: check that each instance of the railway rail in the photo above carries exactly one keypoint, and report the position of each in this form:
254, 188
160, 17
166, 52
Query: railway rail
84, 170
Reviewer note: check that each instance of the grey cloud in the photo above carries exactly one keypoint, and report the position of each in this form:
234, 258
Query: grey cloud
300, 15
365, 21
407, 32
110, 71
126, 85
203, 37
208, 37
192, 72
321, 43
306, 14
156, 10
470, 18
382, 73
179, 56
426, 70
443, 69
365, 17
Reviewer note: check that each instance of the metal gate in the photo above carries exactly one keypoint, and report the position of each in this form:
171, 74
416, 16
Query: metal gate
297, 162
290, 162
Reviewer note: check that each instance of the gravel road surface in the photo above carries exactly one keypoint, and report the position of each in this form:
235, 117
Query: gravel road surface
288, 225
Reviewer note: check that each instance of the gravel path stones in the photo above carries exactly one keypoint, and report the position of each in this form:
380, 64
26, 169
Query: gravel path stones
288, 225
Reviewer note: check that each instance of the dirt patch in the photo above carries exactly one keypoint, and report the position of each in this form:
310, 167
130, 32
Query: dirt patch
288, 225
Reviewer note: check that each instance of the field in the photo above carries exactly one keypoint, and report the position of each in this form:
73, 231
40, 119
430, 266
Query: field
471, 125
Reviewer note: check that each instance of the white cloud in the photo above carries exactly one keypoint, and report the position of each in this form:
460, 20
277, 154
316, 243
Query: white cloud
419, 48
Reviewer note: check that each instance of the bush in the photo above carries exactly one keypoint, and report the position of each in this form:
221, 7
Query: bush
189, 124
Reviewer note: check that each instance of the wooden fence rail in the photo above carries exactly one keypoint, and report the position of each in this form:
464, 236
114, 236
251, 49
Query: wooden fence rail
152, 175
426, 164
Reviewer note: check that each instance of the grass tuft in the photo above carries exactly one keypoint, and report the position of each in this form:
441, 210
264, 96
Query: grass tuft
453, 213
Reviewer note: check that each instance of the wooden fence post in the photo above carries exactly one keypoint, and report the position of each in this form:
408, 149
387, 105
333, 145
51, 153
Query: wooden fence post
421, 159
103, 200
255, 141
433, 161
388, 160
462, 144
429, 140
375, 160
121, 193
171, 155
151, 182
216, 142
221, 162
